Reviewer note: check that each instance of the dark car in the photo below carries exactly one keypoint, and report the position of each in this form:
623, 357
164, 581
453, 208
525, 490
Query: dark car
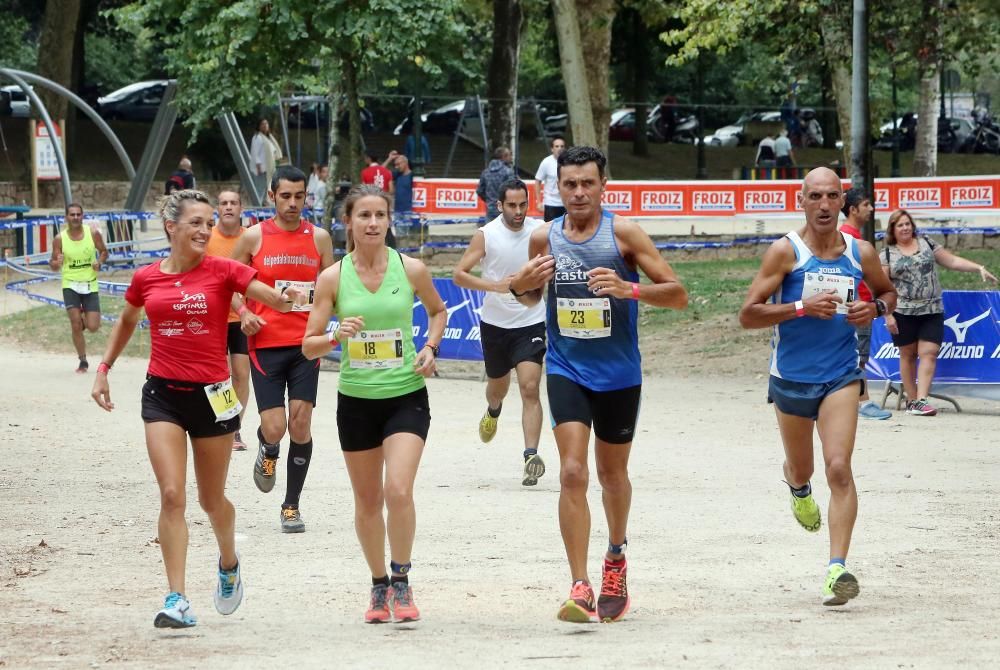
135, 102
314, 112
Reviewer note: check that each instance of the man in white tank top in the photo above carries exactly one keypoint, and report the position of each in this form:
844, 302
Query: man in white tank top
512, 335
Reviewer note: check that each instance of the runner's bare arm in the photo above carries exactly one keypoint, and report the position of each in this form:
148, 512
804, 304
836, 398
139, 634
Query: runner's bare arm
317, 342
536, 273
437, 316
247, 245
119, 337
102, 250
281, 301
56, 260
473, 254
664, 291
324, 245
757, 312
860, 312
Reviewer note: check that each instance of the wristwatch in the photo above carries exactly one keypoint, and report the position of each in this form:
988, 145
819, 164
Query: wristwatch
515, 293
880, 307
435, 349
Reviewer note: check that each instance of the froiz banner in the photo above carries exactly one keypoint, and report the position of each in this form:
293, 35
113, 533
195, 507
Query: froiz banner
461, 335
970, 353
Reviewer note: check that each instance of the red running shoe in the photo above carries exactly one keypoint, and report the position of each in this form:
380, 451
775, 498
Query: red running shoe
401, 603
378, 610
580, 606
614, 601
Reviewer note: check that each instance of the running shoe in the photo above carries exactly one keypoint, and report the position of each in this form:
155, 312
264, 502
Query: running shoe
378, 609
82, 367
806, 512
229, 590
263, 470
920, 408
872, 411
613, 602
176, 612
580, 606
487, 427
840, 586
534, 467
291, 520
401, 603
238, 443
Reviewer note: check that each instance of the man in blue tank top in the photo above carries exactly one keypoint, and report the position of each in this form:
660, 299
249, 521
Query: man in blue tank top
806, 292
588, 261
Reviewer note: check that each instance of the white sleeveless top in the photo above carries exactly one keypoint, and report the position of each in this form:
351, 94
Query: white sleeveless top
506, 253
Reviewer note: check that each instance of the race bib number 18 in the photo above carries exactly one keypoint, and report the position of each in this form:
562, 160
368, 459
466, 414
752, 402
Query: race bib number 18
222, 398
584, 318
376, 349
817, 282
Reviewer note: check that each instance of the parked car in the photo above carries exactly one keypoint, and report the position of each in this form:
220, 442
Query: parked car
14, 102
737, 133
622, 126
952, 134
312, 113
135, 102
443, 120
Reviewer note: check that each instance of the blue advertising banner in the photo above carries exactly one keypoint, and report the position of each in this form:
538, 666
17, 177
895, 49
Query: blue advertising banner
969, 360
461, 335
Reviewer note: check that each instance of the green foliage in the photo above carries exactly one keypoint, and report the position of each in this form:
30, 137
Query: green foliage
18, 44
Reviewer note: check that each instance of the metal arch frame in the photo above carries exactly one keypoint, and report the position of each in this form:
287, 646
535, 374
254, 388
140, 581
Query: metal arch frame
82, 105
56, 146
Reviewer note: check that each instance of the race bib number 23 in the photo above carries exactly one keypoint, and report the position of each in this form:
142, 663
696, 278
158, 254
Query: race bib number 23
584, 318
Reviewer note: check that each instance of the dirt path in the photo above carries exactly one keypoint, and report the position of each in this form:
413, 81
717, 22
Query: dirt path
721, 575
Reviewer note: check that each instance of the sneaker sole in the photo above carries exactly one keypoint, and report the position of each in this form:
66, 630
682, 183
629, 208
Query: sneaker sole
407, 619
164, 621
573, 613
486, 438
613, 619
844, 589
532, 472
293, 529
264, 483
386, 619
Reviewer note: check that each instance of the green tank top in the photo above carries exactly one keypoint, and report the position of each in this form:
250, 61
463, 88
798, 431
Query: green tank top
378, 362
78, 272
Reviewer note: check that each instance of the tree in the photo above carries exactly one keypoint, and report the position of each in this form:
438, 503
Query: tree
55, 51
596, 18
574, 70
501, 80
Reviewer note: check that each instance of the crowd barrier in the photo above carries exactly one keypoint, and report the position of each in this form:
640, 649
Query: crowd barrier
969, 360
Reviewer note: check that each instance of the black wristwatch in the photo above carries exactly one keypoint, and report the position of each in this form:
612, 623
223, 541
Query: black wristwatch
880, 308
435, 349
515, 293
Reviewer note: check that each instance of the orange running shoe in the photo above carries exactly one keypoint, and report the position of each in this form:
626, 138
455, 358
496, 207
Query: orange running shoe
378, 610
613, 602
401, 602
580, 606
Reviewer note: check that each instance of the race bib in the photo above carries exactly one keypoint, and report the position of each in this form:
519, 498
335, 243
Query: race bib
584, 318
376, 349
222, 398
307, 287
81, 287
818, 282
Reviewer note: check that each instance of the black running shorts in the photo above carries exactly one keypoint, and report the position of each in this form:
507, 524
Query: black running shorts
275, 369
237, 339
364, 423
504, 348
920, 328
87, 302
613, 414
185, 404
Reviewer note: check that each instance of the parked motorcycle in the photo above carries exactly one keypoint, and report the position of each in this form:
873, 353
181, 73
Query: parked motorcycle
984, 139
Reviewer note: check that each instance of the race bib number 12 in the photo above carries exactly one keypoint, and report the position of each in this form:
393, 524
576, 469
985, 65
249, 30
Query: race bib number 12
222, 398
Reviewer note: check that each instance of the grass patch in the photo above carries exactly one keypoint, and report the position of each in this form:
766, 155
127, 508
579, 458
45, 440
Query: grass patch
47, 328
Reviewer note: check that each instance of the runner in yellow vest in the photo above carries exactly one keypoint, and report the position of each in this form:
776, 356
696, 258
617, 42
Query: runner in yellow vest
79, 252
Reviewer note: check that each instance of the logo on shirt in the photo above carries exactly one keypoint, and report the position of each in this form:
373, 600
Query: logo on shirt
568, 270
170, 328
191, 303
972, 196
287, 259
928, 196
195, 326
961, 328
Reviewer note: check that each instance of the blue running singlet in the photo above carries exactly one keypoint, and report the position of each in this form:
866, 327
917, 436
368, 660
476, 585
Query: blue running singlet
592, 340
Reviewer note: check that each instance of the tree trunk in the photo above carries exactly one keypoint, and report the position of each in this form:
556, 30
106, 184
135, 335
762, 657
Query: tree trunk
575, 75
501, 87
333, 154
353, 158
596, 17
929, 67
836, 34
55, 51
638, 64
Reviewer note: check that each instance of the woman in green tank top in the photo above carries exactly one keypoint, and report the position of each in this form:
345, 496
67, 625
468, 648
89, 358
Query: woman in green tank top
382, 410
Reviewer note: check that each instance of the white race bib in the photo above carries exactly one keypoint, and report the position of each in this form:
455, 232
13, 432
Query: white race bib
222, 398
81, 287
376, 349
306, 287
818, 282
584, 318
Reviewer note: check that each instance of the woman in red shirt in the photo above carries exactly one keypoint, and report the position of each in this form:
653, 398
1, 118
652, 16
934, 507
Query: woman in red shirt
188, 389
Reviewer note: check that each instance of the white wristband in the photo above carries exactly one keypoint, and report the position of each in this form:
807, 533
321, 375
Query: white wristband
334, 335
800, 309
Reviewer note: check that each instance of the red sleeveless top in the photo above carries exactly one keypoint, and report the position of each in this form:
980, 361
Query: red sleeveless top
284, 257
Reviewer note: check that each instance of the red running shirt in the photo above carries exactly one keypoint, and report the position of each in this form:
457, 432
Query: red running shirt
188, 315
863, 291
284, 256
376, 175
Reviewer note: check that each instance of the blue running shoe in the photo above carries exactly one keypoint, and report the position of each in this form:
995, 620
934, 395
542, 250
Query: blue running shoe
176, 612
229, 591
872, 411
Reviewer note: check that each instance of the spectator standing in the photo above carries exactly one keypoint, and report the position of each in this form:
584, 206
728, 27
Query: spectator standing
492, 178
180, 179
410, 149
549, 200
783, 156
265, 152
376, 174
765, 152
